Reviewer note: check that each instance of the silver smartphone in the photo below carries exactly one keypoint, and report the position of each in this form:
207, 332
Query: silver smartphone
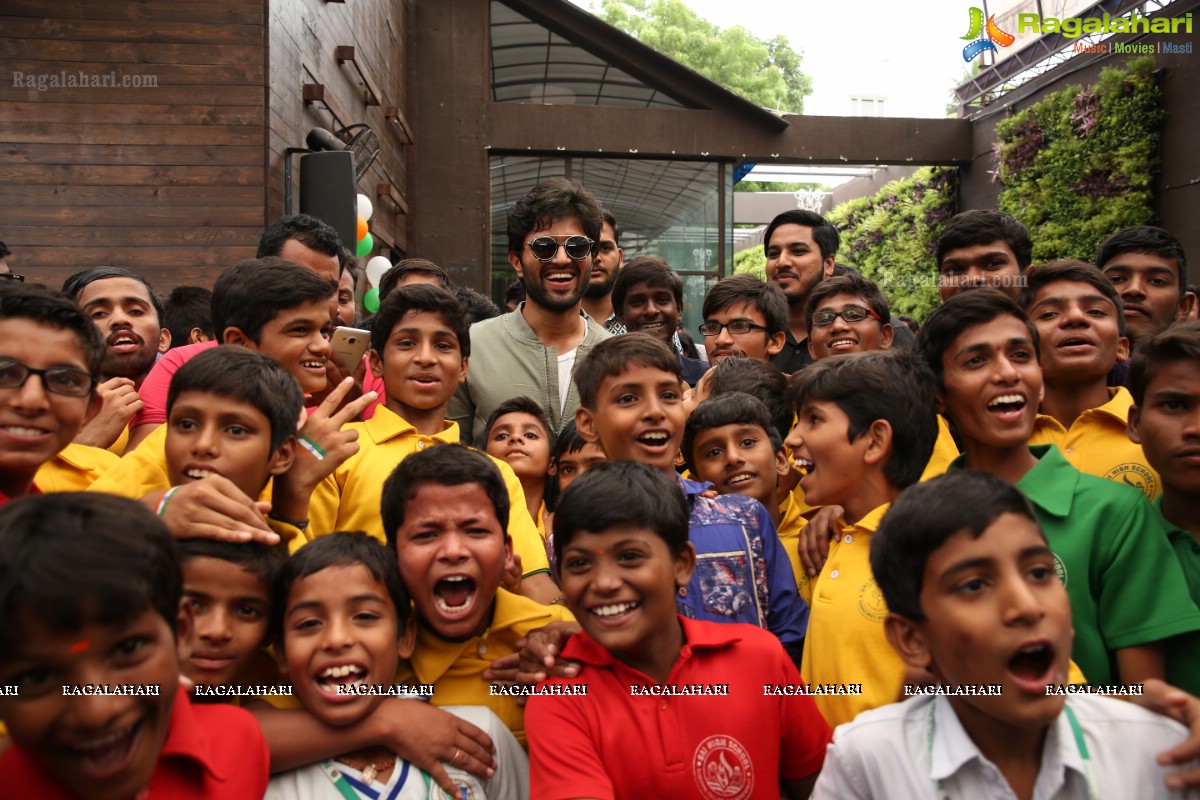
350, 344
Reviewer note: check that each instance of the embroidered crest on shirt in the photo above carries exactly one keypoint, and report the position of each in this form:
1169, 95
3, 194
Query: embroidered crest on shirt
462, 791
1061, 569
870, 601
723, 769
1135, 475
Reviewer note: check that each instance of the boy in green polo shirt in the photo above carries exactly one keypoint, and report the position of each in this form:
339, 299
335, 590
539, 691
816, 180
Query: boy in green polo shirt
1165, 420
1127, 592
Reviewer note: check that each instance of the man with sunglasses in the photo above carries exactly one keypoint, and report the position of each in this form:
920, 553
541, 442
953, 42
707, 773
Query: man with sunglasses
532, 351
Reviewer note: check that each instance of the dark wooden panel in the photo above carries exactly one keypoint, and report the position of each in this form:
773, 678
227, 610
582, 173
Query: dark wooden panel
162, 32
127, 52
104, 217
85, 175
82, 257
166, 179
516, 127
304, 35
145, 262
141, 114
239, 74
83, 133
74, 195
176, 88
189, 235
234, 12
213, 155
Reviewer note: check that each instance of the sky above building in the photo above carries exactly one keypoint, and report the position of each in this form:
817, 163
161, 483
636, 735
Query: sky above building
907, 54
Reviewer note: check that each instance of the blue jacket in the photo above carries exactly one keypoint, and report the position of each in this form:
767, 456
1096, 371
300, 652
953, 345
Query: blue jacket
742, 572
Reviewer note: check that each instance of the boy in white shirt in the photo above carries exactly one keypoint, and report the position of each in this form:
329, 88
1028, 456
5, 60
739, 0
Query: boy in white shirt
975, 600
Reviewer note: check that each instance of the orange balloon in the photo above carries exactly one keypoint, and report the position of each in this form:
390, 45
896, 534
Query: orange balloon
362, 228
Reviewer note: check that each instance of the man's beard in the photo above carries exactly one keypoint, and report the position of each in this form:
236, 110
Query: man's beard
595, 291
132, 365
535, 291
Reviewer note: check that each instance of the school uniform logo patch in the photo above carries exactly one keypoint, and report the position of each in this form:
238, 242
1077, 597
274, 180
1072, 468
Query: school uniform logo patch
1134, 475
462, 791
1061, 569
723, 769
870, 601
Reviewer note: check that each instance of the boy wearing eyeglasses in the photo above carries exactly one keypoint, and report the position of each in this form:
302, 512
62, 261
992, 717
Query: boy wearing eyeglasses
847, 314
552, 235
50, 354
744, 317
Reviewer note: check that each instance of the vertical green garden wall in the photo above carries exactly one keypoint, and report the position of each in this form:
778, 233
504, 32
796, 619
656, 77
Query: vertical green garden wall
1075, 167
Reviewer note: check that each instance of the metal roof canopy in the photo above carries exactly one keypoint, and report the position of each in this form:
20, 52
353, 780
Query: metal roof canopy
567, 87
1042, 55
647, 197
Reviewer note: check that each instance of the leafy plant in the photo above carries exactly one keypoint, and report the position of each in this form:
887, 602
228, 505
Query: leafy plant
1080, 164
890, 237
752, 260
764, 71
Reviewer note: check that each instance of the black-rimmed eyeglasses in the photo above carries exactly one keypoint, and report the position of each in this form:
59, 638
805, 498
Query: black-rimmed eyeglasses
826, 316
738, 327
59, 380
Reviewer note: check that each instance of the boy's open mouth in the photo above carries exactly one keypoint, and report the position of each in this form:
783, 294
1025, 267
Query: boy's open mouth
654, 438
1075, 342
1031, 665
330, 678
22, 431
803, 464
198, 473
614, 612
1007, 404
741, 478
125, 342
105, 756
454, 594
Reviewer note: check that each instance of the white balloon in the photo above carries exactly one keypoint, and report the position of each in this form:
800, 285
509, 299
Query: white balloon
365, 209
376, 267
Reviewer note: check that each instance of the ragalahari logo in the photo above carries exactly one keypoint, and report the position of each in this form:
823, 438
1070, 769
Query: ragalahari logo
984, 38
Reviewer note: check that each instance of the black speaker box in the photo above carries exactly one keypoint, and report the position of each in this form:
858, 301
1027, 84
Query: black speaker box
327, 191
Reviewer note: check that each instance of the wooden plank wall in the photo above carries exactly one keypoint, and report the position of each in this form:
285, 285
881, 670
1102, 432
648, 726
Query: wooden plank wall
167, 179
303, 37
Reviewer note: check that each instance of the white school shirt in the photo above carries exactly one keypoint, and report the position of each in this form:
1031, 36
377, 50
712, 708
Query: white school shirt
510, 782
887, 753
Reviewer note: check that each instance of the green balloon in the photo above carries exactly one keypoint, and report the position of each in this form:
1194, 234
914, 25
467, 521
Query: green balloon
365, 246
371, 300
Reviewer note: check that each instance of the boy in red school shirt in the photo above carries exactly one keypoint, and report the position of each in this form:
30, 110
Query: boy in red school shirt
97, 712
663, 705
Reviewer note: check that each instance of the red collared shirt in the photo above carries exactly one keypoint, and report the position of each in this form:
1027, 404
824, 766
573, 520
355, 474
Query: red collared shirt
215, 751
32, 491
713, 730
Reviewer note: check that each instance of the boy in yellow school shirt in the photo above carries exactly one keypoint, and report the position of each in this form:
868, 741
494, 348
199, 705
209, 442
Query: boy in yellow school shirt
866, 428
1081, 334
420, 344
